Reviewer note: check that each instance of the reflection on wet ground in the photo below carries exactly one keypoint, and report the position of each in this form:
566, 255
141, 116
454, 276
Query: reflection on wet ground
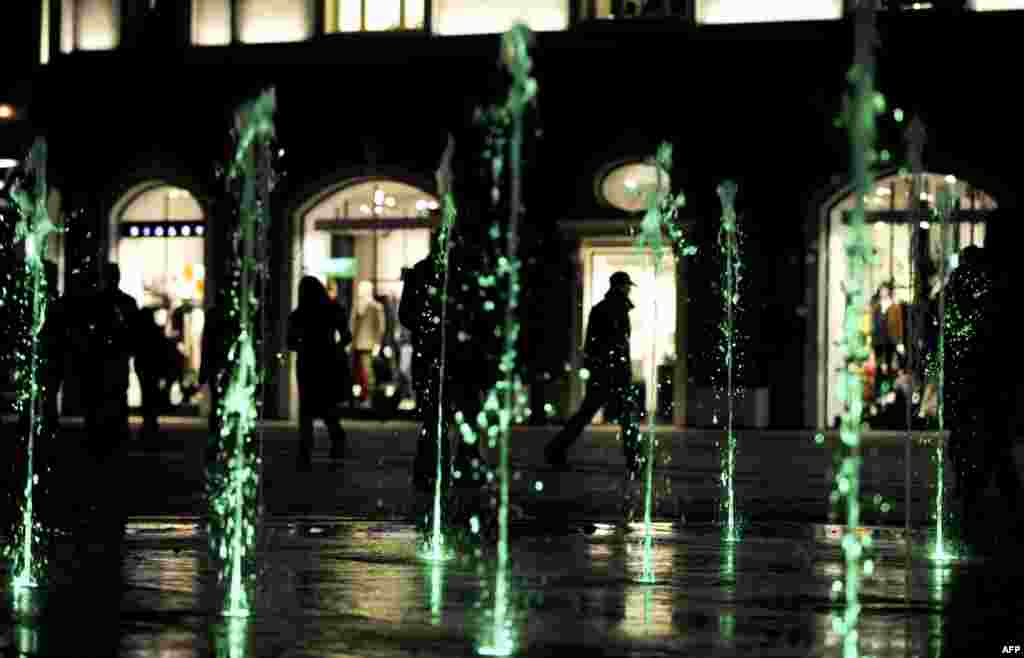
337, 587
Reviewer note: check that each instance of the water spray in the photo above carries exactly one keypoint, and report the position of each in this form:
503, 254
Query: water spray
33, 229
659, 220
729, 248
235, 482
862, 105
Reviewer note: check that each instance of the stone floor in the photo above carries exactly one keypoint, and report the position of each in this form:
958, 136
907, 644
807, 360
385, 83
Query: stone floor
338, 570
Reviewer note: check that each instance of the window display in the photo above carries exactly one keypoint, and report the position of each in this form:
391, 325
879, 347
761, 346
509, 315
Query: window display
907, 245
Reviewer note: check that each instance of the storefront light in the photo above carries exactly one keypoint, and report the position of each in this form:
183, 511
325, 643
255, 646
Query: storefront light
159, 231
951, 179
421, 205
133, 231
926, 225
186, 231
172, 232
434, 205
145, 232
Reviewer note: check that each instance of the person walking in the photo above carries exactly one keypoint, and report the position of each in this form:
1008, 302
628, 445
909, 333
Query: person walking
318, 331
609, 385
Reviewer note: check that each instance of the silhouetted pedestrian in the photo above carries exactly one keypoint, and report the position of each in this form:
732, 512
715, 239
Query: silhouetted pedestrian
609, 386
111, 316
318, 332
157, 362
420, 311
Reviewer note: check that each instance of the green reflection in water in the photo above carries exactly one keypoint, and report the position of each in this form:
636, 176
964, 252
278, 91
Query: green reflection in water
232, 638
25, 606
436, 591
936, 622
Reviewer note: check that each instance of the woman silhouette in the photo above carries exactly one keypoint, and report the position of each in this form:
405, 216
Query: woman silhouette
318, 332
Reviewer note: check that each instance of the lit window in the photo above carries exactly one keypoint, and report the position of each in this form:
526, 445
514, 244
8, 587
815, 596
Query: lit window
44, 32
89, 25
745, 11
211, 22
997, 5
273, 21
475, 17
627, 186
375, 16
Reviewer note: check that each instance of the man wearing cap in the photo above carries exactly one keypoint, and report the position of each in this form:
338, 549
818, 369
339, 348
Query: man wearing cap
606, 359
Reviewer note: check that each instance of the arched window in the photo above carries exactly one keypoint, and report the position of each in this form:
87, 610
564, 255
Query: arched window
159, 243
360, 236
906, 243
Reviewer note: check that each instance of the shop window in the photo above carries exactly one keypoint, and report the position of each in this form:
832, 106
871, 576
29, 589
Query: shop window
897, 226
627, 186
89, 25
374, 16
160, 247
211, 22
453, 17
745, 11
362, 236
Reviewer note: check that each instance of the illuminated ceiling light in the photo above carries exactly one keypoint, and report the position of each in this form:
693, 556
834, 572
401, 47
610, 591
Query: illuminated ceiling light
8, 163
172, 232
365, 209
200, 230
159, 231
134, 231
7, 111
145, 231
186, 231
390, 202
951, 179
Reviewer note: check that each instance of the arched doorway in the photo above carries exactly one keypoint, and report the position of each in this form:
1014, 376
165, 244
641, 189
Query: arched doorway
906, 240
158, 238
358, 237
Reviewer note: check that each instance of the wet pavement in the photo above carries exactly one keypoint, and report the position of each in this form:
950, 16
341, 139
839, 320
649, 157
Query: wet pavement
338, 570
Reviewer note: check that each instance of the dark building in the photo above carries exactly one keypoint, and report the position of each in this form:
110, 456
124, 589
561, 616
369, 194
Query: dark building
137, 103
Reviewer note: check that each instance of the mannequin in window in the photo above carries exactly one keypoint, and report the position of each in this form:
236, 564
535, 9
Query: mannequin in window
368, 326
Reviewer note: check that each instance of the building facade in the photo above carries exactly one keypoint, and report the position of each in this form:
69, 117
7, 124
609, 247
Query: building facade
136, 101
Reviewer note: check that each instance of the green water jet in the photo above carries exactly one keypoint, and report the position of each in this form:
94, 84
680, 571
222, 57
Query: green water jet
235, 481
33, 230
659, 222
862, 105
729, 249
508, 119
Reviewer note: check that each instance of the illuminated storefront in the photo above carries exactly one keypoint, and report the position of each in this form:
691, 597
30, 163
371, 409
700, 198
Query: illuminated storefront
893, 227
358, 237
160, 245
